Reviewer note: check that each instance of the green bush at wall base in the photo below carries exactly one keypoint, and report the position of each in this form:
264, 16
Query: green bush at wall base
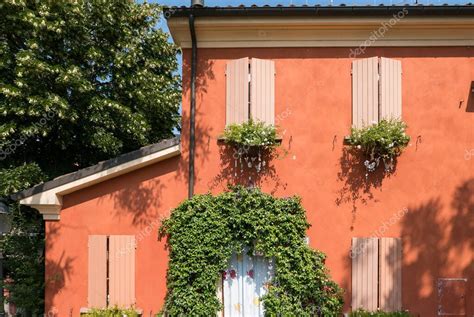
363, 313
111, 312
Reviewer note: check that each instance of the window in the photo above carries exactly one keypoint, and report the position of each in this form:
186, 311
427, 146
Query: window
376, 274
111, 280
376, 90
250, 91
244, 283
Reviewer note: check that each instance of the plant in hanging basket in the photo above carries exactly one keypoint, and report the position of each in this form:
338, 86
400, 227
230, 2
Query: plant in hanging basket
380, 142
252, 134
254, 145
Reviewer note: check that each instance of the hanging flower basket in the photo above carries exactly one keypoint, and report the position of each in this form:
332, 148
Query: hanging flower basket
251, 134
382, 142
254, 145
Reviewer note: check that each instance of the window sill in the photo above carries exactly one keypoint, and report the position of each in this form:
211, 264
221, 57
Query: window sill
85, 310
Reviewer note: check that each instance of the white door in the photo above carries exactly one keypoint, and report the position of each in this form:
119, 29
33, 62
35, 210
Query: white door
244, 283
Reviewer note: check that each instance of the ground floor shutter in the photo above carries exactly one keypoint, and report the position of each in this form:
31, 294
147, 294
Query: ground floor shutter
390, 295
97, 268
364, 273
122, 271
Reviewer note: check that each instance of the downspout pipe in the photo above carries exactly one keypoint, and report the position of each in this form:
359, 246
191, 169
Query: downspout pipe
192, 113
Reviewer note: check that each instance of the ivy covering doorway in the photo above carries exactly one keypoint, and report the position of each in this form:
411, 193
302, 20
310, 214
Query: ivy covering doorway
205, 231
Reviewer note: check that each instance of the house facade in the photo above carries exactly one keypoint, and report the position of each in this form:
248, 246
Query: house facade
403, 240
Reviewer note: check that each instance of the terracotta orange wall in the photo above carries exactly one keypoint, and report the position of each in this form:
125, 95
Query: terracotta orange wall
434, 181
132, 204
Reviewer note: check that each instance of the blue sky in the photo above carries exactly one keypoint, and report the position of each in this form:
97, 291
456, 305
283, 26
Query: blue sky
301, 2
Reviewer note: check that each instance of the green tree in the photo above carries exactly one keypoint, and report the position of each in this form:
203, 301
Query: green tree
80, 81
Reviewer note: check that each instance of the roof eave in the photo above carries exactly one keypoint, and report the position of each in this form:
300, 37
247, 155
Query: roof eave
334, 11
47, 197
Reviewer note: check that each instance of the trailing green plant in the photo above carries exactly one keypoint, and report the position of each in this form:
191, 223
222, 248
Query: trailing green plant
383, 141
112, 312
364, 313
251, 134
203, 233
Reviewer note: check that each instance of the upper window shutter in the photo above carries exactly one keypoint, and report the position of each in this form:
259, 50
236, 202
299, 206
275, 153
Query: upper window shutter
97, 272
390, 296
364, 273
237, 91
262, 90
365, 92
390, 89
122, 271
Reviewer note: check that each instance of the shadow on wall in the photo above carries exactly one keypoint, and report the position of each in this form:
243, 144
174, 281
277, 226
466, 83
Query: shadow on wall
141, 196
436, 242
203, 132
247, 167
56, 271
357, 183
436, 245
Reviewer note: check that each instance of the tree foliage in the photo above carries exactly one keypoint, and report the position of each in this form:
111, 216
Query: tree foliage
80, 82
206, 230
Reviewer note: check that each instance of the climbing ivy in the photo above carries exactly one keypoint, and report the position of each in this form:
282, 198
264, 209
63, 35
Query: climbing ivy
204, 231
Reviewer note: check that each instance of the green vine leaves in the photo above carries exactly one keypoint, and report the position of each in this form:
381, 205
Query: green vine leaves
203, 233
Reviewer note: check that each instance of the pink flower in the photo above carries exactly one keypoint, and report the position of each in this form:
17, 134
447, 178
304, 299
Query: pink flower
250, 273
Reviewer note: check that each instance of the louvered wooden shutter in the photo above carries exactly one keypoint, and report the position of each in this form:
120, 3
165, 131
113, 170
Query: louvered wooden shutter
122, 271
390, 89
237, 91
364, 273
262, 90
390, 294
97, 272
365, 92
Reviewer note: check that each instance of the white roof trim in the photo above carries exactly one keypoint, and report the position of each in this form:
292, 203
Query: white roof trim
49, 202
245, 32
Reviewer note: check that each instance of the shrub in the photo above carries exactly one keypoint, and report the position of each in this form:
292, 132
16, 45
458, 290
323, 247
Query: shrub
363, 313
112, 312
383, 141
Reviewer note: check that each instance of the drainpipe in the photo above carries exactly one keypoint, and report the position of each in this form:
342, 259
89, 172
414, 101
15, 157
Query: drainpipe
192, 115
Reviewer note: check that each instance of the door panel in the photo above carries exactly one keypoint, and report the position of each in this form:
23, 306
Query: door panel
244, 283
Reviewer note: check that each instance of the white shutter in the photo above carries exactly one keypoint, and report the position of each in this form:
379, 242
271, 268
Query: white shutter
390, 89
365, 92
237, 91
262, 90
